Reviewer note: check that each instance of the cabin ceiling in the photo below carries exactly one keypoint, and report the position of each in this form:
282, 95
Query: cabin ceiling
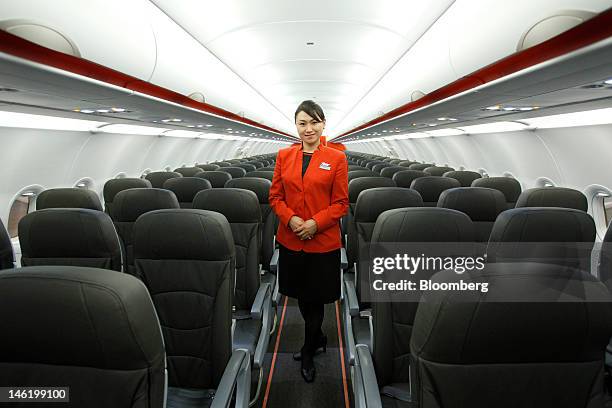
255, 58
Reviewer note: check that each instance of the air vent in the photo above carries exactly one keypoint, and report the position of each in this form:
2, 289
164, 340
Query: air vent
42, 35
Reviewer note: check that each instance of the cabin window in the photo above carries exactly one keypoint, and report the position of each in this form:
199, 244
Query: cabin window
22, 205
606, 202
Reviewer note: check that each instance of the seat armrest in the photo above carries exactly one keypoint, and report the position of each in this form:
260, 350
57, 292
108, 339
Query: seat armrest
264, 335
351, 298
349, 336
343, 259
274, 261
260, 303
237, 375
365, 369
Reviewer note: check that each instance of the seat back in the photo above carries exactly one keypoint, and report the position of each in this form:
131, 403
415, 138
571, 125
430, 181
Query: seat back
509, 187
68, 198
235, 172
7, 256
247, 166
261, 188
404, 178
407, 163
394, 317
420, 166
264, 174
70, 237
467, 347
430, 188
482, 205
158, 178
465, 177
93, 330
377, 168
605, 259
553, 197
186, 188
241, 209
437, 170
354, 174
188, 171
187, 261
113, 186
209, 167
131, 204
217, 178
561, 235
391, 170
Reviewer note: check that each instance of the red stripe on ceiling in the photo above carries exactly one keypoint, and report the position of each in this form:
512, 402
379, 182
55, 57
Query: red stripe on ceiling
591, 31
19, 47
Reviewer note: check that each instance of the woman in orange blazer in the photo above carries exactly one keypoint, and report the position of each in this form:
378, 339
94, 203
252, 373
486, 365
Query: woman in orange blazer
309, 194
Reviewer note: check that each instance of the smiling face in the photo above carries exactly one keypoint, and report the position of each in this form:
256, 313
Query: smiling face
310, 129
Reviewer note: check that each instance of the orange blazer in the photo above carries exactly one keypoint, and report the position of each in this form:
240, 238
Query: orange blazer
321, 195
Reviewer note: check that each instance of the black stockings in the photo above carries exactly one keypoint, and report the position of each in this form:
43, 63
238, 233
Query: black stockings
312, 313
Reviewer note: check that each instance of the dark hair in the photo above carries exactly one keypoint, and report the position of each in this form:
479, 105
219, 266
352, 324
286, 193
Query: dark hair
312, 109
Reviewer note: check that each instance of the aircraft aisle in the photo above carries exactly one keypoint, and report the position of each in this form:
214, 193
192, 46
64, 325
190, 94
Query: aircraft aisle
287, 387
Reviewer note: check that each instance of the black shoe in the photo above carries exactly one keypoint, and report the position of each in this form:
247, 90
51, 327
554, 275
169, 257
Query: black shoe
321, 348
308, 370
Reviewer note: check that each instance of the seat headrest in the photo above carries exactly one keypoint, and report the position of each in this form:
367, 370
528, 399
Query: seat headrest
373, 202
423, 224
268, 175
114, 186
566, 236
357, 185
420, 166
479, 203
517, 321
158, 178
188, 171
68, 233
78, 316
235, 172
465, 177
353, 174
509, 186
553, 197
247, 166
391, 170
132, 203
543, 224
260, 186
236, 204
437, 170
404, 178
68, 198
407, 163
430, 187
183, 234
208, 167
185, 188
217, 178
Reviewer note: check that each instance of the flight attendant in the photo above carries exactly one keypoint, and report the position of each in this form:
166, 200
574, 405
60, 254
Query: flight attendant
309, 194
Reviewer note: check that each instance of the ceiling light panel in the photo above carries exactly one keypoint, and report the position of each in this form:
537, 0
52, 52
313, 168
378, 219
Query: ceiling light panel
587, 118
28, 121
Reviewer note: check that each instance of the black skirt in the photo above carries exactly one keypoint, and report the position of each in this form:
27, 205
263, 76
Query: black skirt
309, 277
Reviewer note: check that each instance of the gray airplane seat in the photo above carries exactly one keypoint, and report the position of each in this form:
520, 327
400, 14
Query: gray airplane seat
188, 171
186, 258
377, 168
89, 329
7, 256
70, 237
113, 186
404, 178
509, 186
420, 166
482, 205
264, 174
68, 198
391, 170
605, 259
354, 174
217, 178
247, 166
520, 344
235, 172
392, 321
186, 188
437, 170
355, 187
543, 234
430, 188
223, 164
553, 197
208, 167
465, 177
158, 178
407, 163
131, 204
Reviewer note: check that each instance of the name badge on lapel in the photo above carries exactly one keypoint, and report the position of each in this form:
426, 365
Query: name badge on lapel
325, 166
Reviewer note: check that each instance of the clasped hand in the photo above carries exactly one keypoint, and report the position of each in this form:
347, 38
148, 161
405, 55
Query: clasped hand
303, 229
